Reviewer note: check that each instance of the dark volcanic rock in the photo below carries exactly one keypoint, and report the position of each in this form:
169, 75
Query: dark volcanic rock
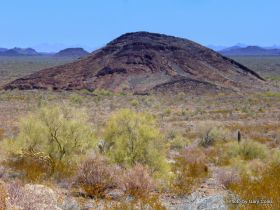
72, 52
140, 62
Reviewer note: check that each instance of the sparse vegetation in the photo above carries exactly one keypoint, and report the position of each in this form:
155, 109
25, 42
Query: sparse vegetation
187, 139
190, 169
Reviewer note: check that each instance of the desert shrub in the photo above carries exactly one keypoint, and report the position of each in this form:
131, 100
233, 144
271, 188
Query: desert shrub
132, 138
134, 102
102, 92
96, 175
210, 132
179, 142
247, 150
265, 187
227, 177
137, 181
61, 134
35, 166
77, 99
167, 112
190, 168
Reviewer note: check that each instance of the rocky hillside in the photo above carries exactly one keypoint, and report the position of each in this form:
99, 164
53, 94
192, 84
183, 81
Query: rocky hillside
141, 62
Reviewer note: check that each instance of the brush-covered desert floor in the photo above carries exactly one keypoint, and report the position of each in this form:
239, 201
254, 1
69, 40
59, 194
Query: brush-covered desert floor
102, 150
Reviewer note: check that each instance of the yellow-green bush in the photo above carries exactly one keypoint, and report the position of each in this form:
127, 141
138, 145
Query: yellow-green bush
60, 133
247, 150
132, 137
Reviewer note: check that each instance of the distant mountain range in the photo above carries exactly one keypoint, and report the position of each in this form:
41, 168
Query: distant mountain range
250, 51
3, 49
69, 52
72, 52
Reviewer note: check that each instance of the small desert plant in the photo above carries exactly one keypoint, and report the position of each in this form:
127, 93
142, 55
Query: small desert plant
132, 138
59, 133
190, 169
96, 175
137, 181
210, 132
179, 142
102, 92
134, 102
77, 99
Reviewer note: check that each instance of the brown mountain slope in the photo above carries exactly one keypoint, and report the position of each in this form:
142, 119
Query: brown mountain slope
142, 61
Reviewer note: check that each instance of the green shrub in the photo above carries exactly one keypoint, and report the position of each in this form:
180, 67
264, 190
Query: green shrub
102, 92
77, 99
134, 102
60, 133
247, 150
132, 137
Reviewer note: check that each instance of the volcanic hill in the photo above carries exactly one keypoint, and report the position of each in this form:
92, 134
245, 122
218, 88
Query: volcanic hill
72, 52
141, 62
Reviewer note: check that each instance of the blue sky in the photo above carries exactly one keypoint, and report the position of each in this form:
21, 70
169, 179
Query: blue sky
53, 24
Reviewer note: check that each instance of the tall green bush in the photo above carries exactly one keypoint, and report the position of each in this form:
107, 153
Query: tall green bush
61, 133
132, 137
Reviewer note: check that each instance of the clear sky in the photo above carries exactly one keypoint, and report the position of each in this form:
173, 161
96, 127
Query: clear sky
53, 24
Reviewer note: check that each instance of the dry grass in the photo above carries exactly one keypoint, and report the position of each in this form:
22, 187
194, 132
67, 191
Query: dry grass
3, 196
263, 187
190, 169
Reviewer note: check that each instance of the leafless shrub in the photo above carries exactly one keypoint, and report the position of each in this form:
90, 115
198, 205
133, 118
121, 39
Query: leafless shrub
96, 175
137, 181
227, 177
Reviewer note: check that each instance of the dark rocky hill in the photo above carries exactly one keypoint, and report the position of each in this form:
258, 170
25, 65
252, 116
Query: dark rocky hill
141, 62
72, 52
